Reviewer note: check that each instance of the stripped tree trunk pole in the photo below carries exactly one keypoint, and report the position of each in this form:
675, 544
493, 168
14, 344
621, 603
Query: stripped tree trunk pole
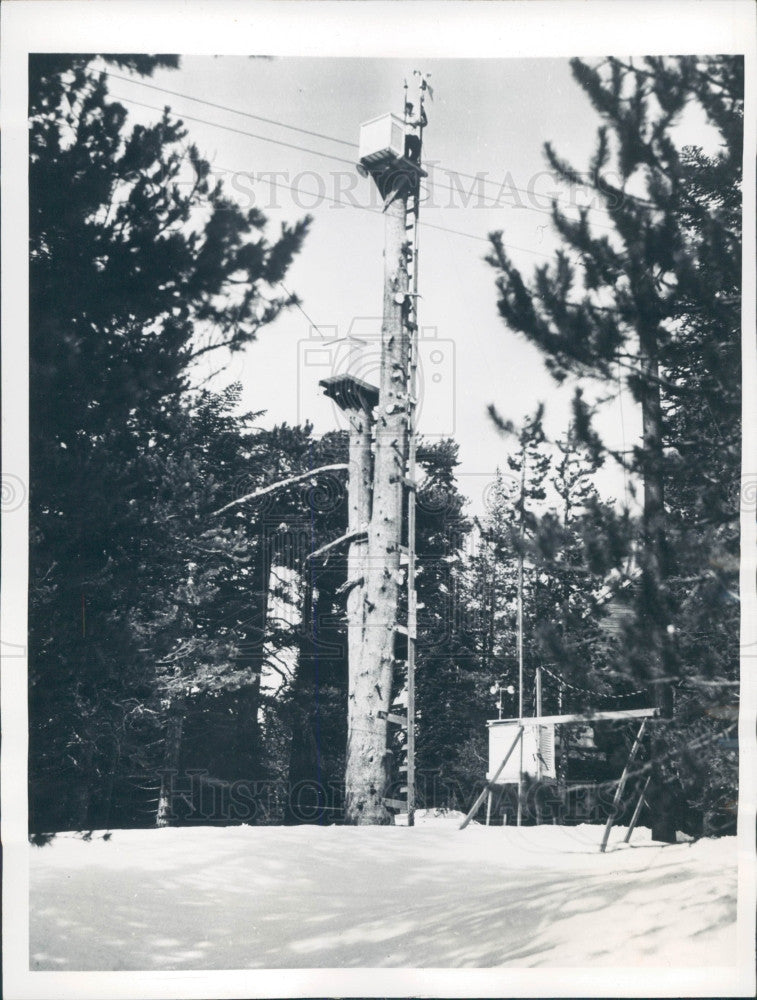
171, 756
366, 772
359, 514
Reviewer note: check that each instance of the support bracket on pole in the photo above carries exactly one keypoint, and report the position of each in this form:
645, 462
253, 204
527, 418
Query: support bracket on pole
395, 720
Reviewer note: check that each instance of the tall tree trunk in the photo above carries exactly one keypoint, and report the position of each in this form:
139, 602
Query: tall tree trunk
83, 799
359, 515
489, 634
247, 702
371, 681
358, 401
171, 758
655, 570
303, 749
112, 771
246, 741
242, 759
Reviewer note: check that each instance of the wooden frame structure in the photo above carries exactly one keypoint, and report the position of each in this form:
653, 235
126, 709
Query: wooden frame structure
645, 714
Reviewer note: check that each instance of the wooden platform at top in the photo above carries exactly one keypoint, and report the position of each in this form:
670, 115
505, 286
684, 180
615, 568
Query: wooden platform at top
350, 392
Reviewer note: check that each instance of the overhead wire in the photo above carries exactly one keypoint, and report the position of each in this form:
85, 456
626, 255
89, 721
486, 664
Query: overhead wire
337, 201
329, 138
430, 225
224, 107
511, 187
239, 131
305, 149
297, 304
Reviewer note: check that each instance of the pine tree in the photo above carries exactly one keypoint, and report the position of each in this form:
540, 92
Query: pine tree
665, 280
448, 675
133, 276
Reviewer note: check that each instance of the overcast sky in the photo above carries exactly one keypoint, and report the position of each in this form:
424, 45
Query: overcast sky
487, 115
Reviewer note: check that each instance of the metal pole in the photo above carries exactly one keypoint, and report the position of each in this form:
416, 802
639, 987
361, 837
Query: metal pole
538, 732
653, 523
538, 715
412, 597
520, 631
411, 638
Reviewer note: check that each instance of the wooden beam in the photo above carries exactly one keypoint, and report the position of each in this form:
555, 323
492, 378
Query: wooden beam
562, 720
621, 785
637, 810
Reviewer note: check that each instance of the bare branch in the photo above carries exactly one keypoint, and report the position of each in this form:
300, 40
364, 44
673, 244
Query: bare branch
281, 485
349, 585
351, 536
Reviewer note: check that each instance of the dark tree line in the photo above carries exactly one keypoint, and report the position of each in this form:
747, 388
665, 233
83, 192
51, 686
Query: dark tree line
139, 601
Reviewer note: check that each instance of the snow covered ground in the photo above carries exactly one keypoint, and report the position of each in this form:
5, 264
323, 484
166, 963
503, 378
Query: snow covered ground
329, 897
